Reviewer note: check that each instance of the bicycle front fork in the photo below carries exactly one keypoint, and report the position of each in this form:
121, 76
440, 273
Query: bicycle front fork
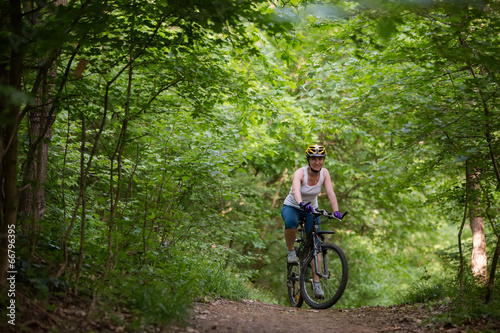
317, 251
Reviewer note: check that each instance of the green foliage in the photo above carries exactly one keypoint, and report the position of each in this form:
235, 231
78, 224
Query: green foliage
463, 302
174, 148
429, 288
166, 288
399, 123
152, 303
37, 282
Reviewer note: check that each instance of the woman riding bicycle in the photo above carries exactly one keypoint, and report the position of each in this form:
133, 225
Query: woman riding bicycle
303, 199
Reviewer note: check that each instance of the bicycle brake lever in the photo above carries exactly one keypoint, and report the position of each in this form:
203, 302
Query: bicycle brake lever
319, 212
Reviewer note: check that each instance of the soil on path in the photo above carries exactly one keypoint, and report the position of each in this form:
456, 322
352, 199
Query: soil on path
253, 317
76, 315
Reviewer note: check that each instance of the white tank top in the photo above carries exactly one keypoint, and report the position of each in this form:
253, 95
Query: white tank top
309, 193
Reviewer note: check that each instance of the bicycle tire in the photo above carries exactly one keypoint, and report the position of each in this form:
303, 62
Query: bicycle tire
334, 286
293, 285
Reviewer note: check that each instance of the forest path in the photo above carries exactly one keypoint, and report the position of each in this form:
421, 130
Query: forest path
254, 317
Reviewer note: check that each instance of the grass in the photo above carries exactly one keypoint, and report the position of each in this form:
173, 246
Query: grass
459, 306
134, 296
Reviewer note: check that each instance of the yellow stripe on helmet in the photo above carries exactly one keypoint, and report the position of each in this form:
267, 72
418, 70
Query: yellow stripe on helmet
316, 150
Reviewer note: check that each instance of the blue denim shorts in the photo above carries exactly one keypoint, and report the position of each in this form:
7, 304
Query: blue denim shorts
291, 216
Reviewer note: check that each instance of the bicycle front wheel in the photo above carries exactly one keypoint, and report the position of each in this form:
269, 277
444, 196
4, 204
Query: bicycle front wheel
333, 268
293, 285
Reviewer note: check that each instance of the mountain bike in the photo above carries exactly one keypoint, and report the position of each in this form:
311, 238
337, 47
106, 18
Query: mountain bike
316, 260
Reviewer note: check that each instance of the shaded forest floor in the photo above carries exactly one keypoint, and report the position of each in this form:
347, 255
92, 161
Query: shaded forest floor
73, 314
248, 317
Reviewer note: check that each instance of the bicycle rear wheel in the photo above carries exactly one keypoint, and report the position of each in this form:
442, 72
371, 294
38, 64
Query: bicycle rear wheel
334, 281
293, 285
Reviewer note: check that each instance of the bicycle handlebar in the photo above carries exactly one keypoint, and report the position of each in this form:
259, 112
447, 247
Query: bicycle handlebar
324, 212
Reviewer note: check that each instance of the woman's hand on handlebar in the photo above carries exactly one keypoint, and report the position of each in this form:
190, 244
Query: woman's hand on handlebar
306, 207
337, 215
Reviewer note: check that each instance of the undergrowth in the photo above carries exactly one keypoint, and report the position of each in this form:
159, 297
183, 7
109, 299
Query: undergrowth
165, 295
458, 303
137, 294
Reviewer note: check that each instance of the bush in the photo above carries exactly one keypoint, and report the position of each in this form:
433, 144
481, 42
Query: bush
164, 293
460, 304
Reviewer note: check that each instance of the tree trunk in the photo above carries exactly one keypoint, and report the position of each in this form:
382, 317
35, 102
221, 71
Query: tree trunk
32, 199
84, 206
8, 144
494, 264
479, 263
460, 232
40, 120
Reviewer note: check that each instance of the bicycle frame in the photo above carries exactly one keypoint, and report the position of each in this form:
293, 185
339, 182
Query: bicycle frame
313, 234
308, 247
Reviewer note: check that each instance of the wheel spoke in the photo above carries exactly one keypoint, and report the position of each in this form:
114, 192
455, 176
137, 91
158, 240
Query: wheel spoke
334, 281
293, 285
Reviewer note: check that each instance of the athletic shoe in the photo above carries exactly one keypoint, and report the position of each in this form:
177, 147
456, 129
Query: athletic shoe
317, 291
291, 257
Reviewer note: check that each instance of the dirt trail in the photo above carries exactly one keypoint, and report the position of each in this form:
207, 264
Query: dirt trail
77, 315
253, 317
